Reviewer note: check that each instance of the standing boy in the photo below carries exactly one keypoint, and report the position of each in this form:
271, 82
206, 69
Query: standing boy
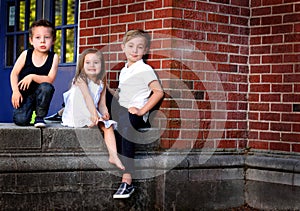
139, 91
33, 74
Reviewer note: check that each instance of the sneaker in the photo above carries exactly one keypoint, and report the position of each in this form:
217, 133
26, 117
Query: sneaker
53, 118
39, 122
124, 191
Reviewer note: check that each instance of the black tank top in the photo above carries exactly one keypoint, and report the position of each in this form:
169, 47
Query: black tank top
29, 68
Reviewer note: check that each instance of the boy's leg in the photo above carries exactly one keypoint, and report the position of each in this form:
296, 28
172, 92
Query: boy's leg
44, 94
128, 124
125, 147
22, 115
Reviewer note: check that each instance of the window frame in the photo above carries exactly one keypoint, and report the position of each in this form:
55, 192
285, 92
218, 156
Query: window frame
44, 9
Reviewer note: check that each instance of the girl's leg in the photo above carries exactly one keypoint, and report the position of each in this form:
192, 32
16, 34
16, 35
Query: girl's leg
110, 141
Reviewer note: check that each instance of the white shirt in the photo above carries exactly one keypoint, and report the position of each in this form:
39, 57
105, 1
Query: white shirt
134, 90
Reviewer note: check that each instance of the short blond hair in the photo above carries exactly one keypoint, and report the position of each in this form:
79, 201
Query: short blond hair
129, 35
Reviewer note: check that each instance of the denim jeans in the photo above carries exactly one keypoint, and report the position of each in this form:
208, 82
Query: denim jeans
39, 101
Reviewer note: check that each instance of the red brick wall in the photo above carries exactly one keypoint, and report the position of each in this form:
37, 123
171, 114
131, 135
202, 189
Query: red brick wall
224, 81
274, 75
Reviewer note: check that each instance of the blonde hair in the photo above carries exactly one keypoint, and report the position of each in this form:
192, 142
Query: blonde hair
80, 73
129, 35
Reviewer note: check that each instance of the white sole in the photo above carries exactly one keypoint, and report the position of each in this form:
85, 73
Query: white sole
125, 196
39, 125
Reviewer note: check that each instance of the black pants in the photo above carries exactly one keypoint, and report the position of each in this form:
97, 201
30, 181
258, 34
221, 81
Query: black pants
126, 132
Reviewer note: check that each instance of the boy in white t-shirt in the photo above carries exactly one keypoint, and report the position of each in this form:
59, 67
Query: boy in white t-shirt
138, 92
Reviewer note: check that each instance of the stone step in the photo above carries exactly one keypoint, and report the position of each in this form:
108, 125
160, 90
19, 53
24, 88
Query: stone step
61, 168
61, 148
58, 168
58, 138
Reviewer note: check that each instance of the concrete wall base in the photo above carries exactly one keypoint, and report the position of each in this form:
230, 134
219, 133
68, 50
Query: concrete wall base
66, 169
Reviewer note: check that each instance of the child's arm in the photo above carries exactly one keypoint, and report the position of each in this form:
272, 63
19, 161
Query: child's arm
102, 105
25, 82
113, 92
153, 100
88, 101
16, 98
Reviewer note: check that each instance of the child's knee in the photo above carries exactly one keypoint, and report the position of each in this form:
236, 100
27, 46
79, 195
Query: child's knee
21, 120
46, 87
106, 130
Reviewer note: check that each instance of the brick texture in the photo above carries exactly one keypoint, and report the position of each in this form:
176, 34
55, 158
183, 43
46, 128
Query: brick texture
273, 54
229, 68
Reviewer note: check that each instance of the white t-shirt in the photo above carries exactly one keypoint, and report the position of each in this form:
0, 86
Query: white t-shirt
134, 83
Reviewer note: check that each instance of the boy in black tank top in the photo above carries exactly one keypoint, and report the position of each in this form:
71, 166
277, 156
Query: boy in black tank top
33, 74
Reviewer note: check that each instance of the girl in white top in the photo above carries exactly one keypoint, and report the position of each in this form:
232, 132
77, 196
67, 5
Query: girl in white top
85, 103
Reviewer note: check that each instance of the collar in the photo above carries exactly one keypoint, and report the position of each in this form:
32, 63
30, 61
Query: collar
134, 64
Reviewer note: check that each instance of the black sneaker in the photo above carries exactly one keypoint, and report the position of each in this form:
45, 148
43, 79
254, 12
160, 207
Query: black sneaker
53, 118
124, 191
39, 122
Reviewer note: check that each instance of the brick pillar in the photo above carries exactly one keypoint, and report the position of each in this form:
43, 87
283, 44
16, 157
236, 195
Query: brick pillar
200, 52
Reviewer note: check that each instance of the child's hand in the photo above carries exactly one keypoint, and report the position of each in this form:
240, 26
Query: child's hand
94, 120
105, 116
104, 112
25, 82
16, 99
136, 111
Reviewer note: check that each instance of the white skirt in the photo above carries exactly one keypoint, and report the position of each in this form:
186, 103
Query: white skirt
76, 113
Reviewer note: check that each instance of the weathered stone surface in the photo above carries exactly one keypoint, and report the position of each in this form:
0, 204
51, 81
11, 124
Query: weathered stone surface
59, 138
13, 137
284, 178
208, 194
275, 162
83, 190
272, 196
59, 168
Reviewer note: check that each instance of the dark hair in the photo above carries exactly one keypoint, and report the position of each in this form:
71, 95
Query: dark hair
45, 23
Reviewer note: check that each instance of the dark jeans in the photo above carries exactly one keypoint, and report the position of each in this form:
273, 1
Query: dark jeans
38, 101
126, 133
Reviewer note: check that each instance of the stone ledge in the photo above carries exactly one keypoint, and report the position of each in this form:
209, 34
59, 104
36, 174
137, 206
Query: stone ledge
273, 169
22, 138
72, 164
55, 138
274, 162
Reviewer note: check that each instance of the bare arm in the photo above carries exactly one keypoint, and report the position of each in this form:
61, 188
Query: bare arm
17, 98
26, 81
88, 100
153, 100
102, 105
115, 93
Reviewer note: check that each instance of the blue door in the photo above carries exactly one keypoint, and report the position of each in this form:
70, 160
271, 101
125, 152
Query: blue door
16, 17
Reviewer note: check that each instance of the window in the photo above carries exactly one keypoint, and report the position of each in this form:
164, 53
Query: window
66, 26
21, 13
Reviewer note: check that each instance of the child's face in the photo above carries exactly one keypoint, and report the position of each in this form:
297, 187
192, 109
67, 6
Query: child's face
135, 49
42, 39
92, 65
